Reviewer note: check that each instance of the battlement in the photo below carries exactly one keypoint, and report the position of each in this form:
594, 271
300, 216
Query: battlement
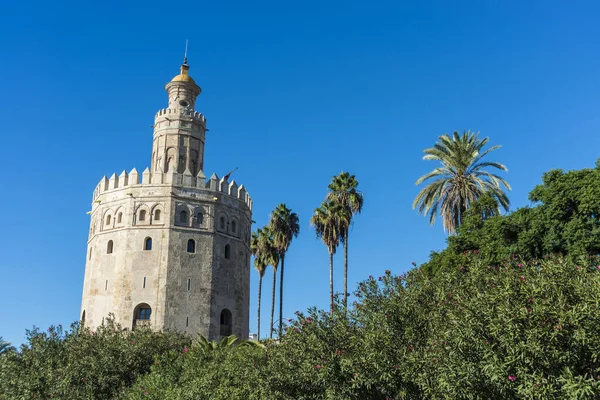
172, 178
176, 112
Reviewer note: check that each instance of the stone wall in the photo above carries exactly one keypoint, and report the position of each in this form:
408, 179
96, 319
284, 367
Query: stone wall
125, 212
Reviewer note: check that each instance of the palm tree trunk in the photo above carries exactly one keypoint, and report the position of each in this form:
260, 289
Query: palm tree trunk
258, 316
281, 296
273, 303
345, 269
331, 281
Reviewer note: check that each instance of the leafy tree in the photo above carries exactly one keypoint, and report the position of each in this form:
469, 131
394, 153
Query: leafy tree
460, 180
284, 226
83, 364
564, 219
329, 221
343, 191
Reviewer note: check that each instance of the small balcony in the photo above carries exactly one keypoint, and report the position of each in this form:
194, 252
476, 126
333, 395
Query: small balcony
141, 322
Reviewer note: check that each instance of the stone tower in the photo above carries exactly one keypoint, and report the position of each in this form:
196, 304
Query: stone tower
168, 248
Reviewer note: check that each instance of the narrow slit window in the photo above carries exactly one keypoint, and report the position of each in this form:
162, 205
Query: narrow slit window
191, 246
186, 321
90, 256
144, 284
189, 284
227, 251
106, 285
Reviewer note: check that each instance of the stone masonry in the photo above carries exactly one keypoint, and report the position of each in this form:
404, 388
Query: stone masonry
166, 247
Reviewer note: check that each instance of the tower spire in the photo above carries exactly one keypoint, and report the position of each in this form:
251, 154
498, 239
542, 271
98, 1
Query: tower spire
185, 54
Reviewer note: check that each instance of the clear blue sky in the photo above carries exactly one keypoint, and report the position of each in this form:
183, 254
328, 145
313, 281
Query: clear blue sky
294, 93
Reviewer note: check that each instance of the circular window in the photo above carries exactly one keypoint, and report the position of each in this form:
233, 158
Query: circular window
183, 103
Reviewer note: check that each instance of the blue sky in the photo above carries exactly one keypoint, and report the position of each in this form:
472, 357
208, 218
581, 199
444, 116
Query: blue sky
294, 93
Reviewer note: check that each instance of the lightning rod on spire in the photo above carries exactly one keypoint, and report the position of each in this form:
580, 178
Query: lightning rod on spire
185, 54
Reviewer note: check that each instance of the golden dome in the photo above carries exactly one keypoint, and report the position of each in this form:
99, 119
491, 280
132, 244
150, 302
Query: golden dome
183, 76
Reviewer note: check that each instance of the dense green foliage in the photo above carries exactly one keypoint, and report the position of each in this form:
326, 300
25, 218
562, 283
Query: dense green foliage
564, 219
82, 364
517, 330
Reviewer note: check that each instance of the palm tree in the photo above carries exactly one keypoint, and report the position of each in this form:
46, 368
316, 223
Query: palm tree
284, 227
329, 220
271, 258
342, 191
257, 243
4, 346
265, 254
460, 180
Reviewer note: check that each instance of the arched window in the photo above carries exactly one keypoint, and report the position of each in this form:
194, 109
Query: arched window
199, 218
183, 217
108, 219
142, 315
109, 247
222, 223
191, 247
119, 217
148, 243
226, 322
142, 215
233, 226
157, 215
227, 251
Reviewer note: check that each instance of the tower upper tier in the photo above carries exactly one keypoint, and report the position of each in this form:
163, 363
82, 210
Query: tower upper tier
179, 131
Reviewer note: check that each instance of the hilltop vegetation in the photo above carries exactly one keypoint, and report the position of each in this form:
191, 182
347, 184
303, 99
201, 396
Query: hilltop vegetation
509, 310
517, 330
564, 219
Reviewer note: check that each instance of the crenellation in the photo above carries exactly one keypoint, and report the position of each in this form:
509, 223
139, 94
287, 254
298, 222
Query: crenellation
134, 177
233, 189
113, 181
123, 179
146, 177
188, 178
242, 193
104, 184
195, 115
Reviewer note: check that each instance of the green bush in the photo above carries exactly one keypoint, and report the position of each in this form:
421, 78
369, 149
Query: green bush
564, 219
82, 364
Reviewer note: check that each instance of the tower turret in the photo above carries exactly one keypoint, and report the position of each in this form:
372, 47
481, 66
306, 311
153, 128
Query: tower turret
179, 131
